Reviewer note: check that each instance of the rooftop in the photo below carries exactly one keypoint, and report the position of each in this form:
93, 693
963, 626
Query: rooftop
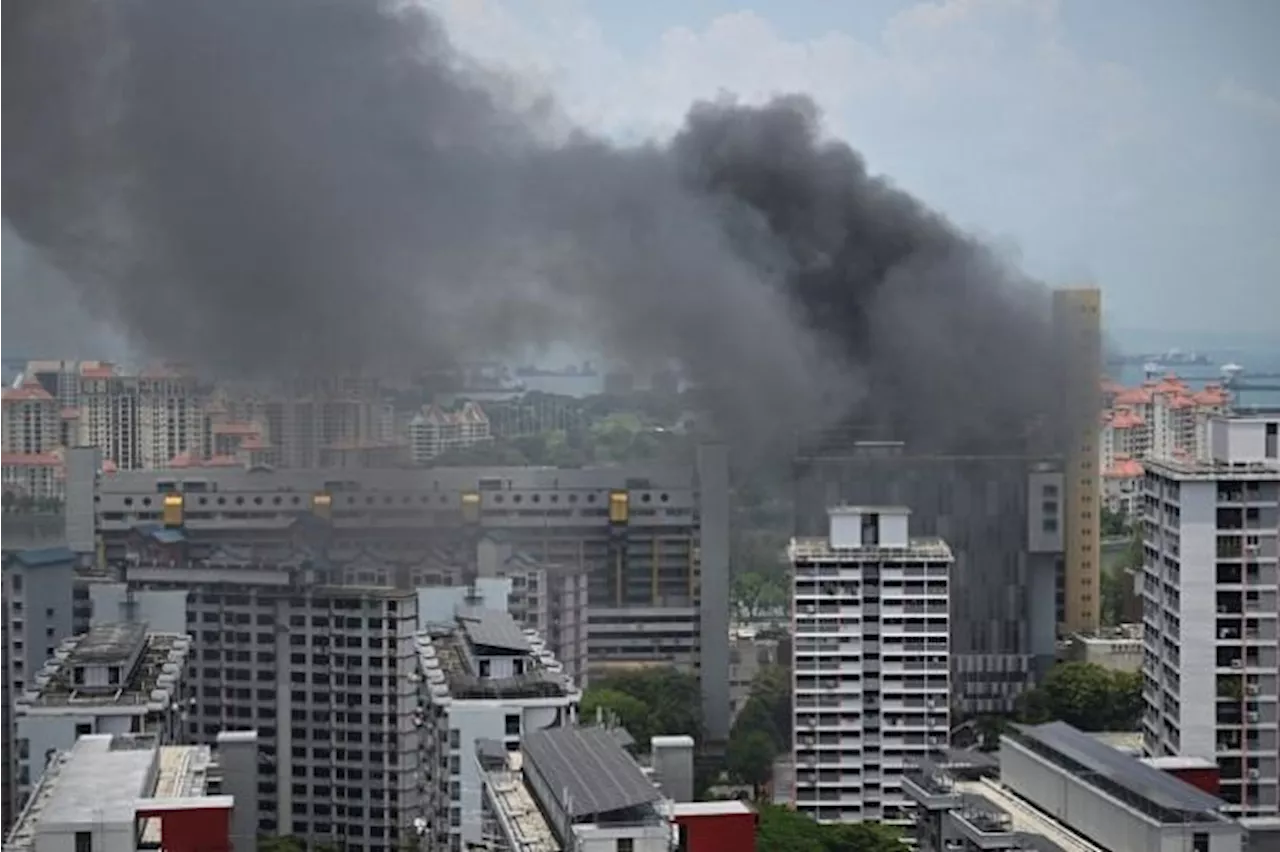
917, 550
148, 663
105, 779
1159, 796
589, 774
448, 655
42, 556
1196, 469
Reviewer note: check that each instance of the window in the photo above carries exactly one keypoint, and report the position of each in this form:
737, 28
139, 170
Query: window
513, 724
1200, 842
484, 668
83, 730
77, 676
626, 844
113, 675
84, 841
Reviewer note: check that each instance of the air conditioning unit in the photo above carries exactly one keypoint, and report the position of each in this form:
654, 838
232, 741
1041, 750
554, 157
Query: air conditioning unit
1252, 715
1253, 773
1252, 689
1237, 663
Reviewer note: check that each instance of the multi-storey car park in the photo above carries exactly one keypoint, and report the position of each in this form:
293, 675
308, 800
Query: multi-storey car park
653, 539
1210, 609
311, 574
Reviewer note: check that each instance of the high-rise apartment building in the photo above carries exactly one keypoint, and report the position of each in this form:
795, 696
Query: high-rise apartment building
434, 431
1210, 609
31, 460
314, 658
39, 613
652, 540
481, 679
1001, 515
1077, 321
871, 662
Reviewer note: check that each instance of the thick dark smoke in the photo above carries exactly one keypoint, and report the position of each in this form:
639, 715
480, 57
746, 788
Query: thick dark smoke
275, 187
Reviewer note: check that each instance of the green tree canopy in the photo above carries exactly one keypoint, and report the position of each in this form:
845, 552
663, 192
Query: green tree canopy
629, 711
673, 699
784, 830
749, 759
1086, 695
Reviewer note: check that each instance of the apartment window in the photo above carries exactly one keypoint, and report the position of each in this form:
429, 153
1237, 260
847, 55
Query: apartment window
77, 676
513, 724
484, 668
626, 844
113, 675
1273, 440
83, 730
1200, 842
84, 841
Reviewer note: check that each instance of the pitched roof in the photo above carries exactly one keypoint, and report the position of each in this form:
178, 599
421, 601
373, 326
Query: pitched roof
586, 771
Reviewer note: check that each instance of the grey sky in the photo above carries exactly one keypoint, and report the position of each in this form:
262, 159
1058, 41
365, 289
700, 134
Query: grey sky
1133, 143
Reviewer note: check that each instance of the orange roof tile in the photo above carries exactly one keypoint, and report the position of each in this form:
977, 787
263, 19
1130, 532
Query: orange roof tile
108, 466
1124, 468
1134, 396
244, 429
32, 459
1125, 419
97, 371
30, 391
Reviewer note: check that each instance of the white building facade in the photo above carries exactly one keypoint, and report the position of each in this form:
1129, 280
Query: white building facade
481, 678
115, 679
1209, 590
871, 662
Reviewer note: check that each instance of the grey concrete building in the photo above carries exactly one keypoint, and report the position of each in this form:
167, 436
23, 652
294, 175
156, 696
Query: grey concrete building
1002, 517
39, 612
652, 540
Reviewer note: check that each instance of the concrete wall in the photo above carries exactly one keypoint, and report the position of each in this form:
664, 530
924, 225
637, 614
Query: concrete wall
1096, 815
1197, 601
237, 753
713, 541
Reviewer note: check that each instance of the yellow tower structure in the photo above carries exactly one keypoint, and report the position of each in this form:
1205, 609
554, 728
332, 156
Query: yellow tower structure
1077, 321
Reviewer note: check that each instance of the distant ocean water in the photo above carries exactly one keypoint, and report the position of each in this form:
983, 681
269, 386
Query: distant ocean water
1259, 358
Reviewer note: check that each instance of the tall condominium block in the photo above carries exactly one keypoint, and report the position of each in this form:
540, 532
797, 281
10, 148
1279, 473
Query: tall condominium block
1209, 590
482, 679
652, 540
1001, 515
1077, 324
315, 657
871, 662
39, 613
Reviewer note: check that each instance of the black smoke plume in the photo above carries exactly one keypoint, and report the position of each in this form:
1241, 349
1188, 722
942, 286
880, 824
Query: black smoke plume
277, 187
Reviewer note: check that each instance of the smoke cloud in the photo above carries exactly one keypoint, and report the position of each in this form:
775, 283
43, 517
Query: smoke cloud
270, 188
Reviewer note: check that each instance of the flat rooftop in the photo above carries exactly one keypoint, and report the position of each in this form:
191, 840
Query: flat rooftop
917, 550
453, 650
1195, 469
104, 779
143, 658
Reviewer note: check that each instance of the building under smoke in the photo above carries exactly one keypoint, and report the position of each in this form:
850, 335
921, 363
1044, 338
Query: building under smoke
1002, 516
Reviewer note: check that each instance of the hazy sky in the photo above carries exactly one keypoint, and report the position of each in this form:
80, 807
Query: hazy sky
1135, 143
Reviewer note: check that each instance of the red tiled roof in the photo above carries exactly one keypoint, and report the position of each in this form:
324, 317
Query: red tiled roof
30, 390
32, 459
1124, 468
